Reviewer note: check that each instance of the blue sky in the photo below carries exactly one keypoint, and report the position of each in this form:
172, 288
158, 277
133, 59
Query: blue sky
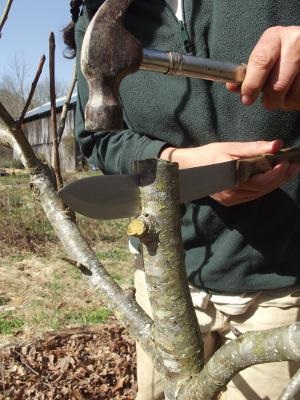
26, 32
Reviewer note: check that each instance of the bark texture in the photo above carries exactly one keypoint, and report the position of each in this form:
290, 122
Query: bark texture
176, 332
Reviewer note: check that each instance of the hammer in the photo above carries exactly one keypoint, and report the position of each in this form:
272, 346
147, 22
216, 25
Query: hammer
110, 52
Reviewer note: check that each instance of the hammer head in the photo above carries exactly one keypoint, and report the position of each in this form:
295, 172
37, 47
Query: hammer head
109, 52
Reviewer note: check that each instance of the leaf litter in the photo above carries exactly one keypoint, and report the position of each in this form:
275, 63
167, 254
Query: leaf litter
86, 363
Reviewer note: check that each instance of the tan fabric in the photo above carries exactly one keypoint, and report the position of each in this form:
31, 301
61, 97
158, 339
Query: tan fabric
259, 382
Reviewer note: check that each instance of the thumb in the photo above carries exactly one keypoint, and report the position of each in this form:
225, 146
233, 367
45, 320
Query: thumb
252, 149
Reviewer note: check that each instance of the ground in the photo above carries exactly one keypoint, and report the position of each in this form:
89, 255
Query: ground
96, 363
57, 341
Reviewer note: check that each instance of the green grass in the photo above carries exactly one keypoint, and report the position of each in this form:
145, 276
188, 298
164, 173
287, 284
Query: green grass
59, 319
51, 292
10, 324
116, 254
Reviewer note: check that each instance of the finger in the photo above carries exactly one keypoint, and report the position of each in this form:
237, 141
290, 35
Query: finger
292, 98
236, 196
268, 181
261, 61
233, 87
282, 76
251, 149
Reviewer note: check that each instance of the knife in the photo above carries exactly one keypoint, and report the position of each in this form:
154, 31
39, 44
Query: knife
118, 196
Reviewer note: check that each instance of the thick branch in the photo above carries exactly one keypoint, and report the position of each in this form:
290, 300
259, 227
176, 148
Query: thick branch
176, 331
124, 306
7, 140
5, 15
293, 388
279, 344
55, 153
62, 121
30, 160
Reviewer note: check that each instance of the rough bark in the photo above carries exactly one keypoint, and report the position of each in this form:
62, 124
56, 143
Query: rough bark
251, 348
292, 389
125, 307
176, 332
53, 126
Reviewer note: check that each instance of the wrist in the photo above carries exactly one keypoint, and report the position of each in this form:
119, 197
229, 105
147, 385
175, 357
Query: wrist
175, 155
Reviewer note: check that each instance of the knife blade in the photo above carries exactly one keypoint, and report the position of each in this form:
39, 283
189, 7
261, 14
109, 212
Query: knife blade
118, 196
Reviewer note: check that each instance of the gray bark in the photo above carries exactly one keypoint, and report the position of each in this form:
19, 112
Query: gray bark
251, 348
292, 389
176, 331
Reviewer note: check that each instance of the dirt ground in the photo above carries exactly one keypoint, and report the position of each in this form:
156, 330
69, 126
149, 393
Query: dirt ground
57, 340
93, 363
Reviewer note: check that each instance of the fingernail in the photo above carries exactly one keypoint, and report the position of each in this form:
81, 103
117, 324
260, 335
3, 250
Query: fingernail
246, 100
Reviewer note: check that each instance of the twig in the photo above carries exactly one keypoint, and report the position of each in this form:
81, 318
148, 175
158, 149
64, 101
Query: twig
5, 15
82, 268
23, 362
235, 331
292, 388
3, 378
62, 121
55, 153
32, 90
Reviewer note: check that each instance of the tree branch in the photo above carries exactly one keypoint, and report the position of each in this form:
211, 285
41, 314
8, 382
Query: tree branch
292, 389
124, 306
7, 140
32, 90
251, 348
5, 15
176, 331
55, 153
31, 162
66, 105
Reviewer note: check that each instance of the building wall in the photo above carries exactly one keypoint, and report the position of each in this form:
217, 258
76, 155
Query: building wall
38, 133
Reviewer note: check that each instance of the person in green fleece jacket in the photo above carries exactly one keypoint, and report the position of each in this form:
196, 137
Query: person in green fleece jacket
242, 245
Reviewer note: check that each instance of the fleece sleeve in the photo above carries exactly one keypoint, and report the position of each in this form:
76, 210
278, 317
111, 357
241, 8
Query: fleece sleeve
113, 153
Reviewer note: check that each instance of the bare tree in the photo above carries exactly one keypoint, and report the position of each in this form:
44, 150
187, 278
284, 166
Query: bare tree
14, 88
179, 357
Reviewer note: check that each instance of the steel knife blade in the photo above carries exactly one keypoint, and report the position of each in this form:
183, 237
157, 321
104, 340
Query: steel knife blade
118, 196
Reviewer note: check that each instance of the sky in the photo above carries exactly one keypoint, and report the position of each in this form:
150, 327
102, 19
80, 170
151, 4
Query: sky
25, 37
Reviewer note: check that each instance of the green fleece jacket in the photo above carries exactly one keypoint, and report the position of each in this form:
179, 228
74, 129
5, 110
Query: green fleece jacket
248, 247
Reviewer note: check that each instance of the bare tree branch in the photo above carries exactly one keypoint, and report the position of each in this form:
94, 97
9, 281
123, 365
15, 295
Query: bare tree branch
176, 331
31, 162
55, 153
32, 90
278, 344
5, 15
7, 140
62, 121
124, 306
292, 389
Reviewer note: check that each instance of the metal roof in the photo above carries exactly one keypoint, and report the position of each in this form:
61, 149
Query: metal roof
45, 109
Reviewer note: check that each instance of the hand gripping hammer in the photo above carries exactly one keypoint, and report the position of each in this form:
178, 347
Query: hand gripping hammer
110, 52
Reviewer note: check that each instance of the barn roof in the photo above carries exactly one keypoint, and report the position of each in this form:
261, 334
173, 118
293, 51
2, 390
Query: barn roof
45, 109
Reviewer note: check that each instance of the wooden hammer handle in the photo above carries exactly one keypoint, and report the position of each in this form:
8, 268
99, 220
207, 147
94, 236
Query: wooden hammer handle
255, 165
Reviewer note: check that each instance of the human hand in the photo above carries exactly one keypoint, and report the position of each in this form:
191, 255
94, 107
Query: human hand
273, 69
257, 186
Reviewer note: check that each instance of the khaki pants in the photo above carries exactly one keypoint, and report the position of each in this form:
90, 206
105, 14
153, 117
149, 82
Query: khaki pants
265, 381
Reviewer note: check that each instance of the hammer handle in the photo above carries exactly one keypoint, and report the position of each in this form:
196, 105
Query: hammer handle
172, 63
255, 165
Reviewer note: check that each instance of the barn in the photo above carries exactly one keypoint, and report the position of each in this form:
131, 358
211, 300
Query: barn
37, 125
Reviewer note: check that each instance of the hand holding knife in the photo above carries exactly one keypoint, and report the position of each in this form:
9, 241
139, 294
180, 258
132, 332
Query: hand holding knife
117, 196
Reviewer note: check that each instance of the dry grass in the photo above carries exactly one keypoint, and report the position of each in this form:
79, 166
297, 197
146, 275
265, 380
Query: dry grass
38, 290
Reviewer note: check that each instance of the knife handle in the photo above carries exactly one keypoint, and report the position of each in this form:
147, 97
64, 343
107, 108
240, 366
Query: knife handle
247, 167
